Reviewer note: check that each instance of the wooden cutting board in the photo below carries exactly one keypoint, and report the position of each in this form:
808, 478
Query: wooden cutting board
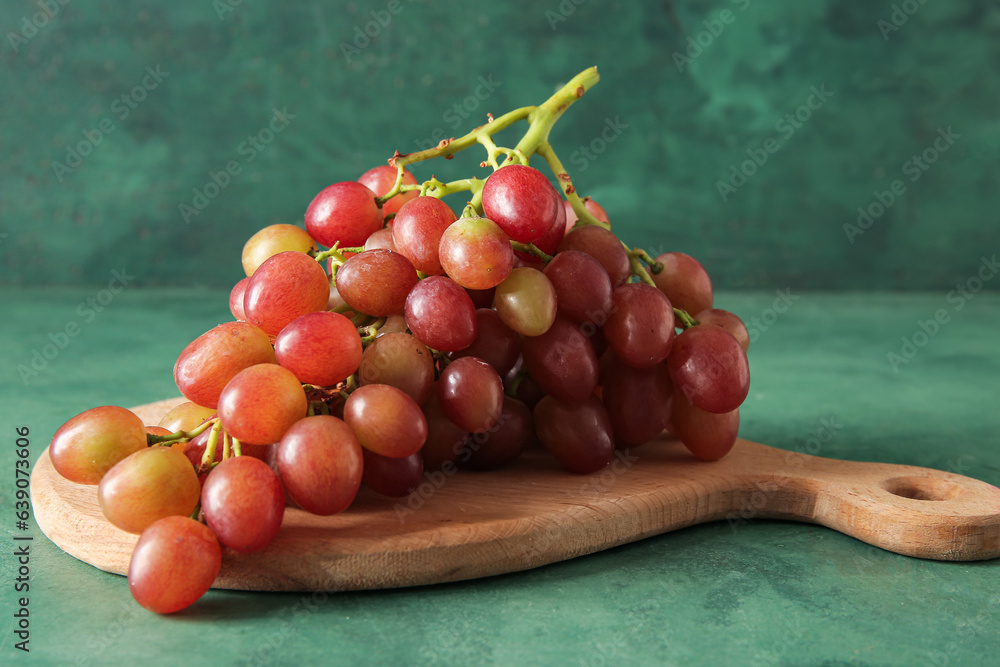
470, 525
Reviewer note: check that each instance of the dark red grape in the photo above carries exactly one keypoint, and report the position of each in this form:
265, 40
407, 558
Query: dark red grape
471, 393
562, 361
441, 314
603, 246
641, 328
496, 343
710, 368
393, 477
579, 435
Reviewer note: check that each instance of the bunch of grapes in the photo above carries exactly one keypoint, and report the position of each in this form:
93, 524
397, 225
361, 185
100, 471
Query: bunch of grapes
418, 339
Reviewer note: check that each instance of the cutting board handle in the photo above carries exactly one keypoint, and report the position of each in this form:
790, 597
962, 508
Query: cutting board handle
914, 511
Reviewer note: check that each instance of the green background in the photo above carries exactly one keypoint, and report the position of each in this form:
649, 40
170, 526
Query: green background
852, 343
682, 129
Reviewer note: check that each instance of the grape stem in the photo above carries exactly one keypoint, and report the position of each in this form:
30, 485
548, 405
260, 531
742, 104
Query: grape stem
213, 441
531, 249
686, 320
369, 333
179, 436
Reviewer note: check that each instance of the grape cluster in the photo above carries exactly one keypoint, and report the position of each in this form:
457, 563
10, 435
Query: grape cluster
419, 339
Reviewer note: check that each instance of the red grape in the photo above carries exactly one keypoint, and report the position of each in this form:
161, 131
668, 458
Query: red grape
236, 299
399, 360
173, 564
710, 368
244, 503
393, 477
260, 403
417, 231
441, 314
344, 213
319, 462
376, 282
582, 286
319, 348
381, 179
562, 361
213, 358
505, 441
707, 435
685, 282
603, 246
638, 400
445, 440
471, 393
476, 253
521, 201
595, 209
728, 321
381, 239
578, 435
284, 287
386, 420
496, 343
641, 328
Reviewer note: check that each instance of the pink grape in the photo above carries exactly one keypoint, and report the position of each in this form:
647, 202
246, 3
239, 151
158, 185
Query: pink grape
91, 443
148, 485
270, 241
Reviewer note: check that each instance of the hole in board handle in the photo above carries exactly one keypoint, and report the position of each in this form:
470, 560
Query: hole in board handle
923, 488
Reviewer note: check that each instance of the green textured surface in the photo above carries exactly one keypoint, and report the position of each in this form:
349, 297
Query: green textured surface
686, 127
764, 593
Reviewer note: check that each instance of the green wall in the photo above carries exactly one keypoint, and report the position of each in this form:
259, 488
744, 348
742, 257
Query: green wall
675, 129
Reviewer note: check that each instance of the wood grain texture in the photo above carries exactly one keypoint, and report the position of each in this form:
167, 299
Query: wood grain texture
470, 525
